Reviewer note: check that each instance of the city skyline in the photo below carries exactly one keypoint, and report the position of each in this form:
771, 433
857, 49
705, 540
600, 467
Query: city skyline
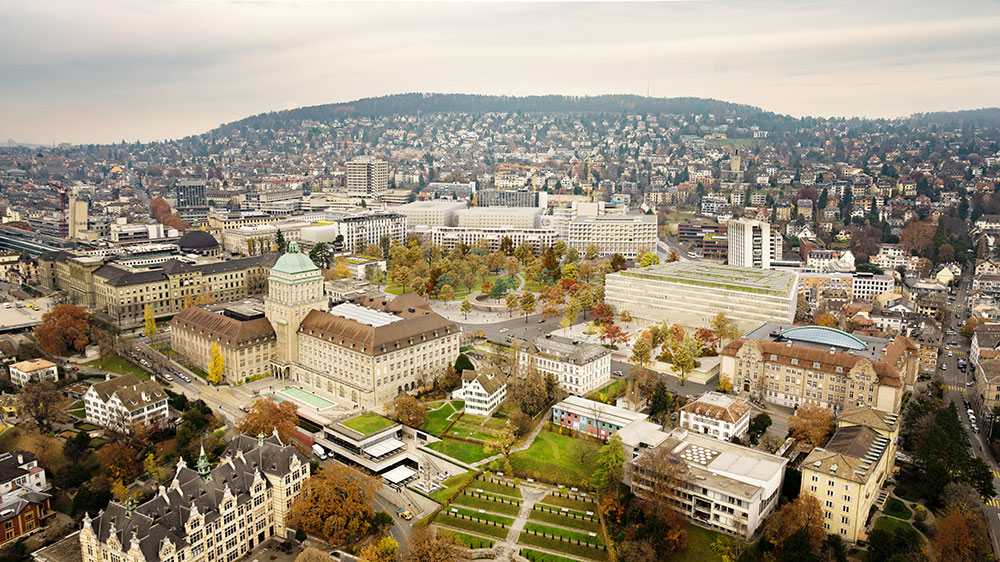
108, 71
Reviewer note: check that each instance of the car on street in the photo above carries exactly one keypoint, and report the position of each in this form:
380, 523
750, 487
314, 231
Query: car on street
950, 354
968, 383
541, 321
404, 513
504, 330
245, 408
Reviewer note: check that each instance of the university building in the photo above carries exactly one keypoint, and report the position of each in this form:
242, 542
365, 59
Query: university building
245, 339
580, 367
124, 401
205, 514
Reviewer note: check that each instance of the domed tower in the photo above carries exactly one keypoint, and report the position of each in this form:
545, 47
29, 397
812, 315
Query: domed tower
294, 287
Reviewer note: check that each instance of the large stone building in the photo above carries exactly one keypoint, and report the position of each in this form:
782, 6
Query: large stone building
579, 367
245, 339
356, 231
205, 515
792, 366
124, 401
692, 294
846, 475
366, 351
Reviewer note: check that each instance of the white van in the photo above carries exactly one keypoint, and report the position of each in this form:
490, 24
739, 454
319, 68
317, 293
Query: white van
319, 451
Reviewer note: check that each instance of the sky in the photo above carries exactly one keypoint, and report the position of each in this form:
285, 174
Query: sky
99, 71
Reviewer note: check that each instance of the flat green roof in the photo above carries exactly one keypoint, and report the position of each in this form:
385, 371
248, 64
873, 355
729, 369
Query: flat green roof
368, 423
726, 277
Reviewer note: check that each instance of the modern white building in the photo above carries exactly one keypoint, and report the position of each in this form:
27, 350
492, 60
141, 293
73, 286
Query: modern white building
630, 235
722, 485
721, 416
367, 177
371, 442
482, 393
437, 212
498, 217
124, 401
258, 239
449, 237
206, 514
752, 243
580, 367
357, 230
511, 198
692, 294
33, 370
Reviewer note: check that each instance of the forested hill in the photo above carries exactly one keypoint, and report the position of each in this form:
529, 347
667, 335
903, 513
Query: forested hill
985, 117
410, 104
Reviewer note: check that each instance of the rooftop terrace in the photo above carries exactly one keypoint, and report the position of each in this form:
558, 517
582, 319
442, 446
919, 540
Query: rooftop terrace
725, 277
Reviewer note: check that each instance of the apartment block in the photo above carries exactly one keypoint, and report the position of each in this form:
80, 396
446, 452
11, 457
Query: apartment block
630, 235
752, 243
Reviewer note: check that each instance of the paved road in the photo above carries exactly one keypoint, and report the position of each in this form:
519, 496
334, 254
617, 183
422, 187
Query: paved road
517, 326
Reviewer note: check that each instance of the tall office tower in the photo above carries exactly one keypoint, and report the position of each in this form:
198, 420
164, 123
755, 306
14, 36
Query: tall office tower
77, 217
752, 244
191, 193
367, 177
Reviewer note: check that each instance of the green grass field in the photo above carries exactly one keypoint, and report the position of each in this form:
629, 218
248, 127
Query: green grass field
557, 458
470, 431
465, 452
699, 546
489, 517
117, 364
489, 505
451, 487
555, 519
578, 505
897, 509
444, 518
891, 524
564, 533
437, 420
368, 423
466, 540
578, 550
502, 489
591, 508
493, 496
538, 556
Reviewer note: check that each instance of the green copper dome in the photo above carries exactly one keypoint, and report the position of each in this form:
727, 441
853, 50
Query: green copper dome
294, 262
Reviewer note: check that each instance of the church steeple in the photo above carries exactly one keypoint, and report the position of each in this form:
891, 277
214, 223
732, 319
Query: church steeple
203, 467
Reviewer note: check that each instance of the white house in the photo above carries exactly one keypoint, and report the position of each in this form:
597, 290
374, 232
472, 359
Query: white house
717, 415
34, 370
580, 367
124, 401
482, 393
20, 470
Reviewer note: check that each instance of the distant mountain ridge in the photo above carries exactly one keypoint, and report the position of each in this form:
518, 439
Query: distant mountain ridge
410, 104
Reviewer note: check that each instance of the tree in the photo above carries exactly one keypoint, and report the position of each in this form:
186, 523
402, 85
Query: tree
312, 554
637, 551
216, 365
382, 522
724, 328
446, 293
279, 242
641, 350
811, 424
151, 467
463, 363
618, 262
725, 385
729, 548
803, 513
502, 445
335, 504
409, 411
648, 259
520, 423
150, 321
612, 334
624, 316
946, 253
267, 415
530, 393
426, 546
969, 329
119, 461
527, 305
917, 237
321, 255
511, 300
685, 357
825, 319
591, 252
610, 471
961, 538
758, 425
39, 401
466, 307
385, 549
64, 330
603, 314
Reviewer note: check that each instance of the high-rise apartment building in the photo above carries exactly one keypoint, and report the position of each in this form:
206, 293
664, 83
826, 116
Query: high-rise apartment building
752, 243
367, 177
191, 193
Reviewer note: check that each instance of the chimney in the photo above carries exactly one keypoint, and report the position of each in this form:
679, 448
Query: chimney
20, 458
107, 376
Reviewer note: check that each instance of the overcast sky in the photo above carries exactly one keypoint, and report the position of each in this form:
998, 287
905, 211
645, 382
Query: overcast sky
105, 70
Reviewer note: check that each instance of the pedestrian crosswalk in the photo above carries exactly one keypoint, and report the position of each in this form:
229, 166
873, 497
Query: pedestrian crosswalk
993, 502
955, 388
996, 473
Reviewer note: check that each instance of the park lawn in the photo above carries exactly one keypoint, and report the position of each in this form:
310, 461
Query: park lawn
591, 508
502, 489
78, 414
555, 519
578, 505
437, 420
117, 364
461, 450
907, 493
891, 524
699, 546
611, 389
580, 550
896, 508
470, 432
489, 505
451, 487
444, 518
557, 458
487, 516
538, 556
564, 533
466, 540
497, 497
368, 423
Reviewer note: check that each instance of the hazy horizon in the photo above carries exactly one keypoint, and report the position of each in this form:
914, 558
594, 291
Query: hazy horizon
108, 70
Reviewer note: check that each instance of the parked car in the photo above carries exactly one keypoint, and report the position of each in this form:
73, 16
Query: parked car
404, 513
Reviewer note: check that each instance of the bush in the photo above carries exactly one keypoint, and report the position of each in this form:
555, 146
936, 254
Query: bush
300, 535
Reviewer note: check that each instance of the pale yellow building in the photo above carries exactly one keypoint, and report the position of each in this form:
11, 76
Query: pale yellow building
244, 336
847, 474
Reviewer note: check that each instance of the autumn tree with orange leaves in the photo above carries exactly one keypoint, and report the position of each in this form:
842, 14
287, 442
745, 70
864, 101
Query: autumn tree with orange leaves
812, 424
267, 414
65, 330
335, 504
